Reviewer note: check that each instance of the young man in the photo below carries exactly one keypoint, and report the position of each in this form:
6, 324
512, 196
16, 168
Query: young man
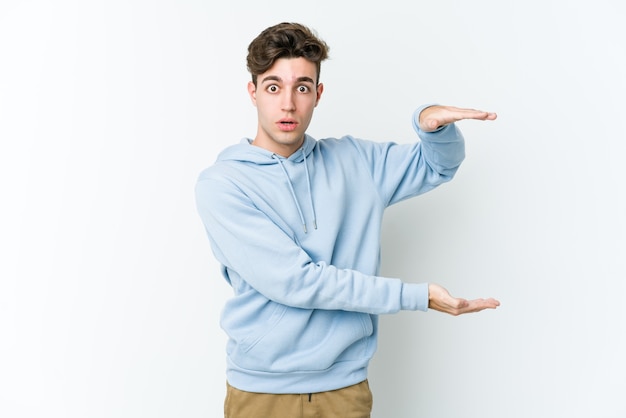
295, 223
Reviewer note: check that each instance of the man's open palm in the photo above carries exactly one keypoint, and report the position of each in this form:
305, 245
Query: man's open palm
440, 300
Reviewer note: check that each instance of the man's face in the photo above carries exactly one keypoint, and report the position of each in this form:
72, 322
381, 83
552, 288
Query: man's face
285, 97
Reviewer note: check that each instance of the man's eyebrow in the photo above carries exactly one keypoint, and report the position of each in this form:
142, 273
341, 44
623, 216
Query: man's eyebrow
271, 78
305, 80
298, 80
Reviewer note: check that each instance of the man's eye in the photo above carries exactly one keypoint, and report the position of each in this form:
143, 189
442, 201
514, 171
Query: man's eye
303, 89
273, 88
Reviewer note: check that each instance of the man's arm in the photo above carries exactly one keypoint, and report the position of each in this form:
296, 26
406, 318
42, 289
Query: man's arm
266, 256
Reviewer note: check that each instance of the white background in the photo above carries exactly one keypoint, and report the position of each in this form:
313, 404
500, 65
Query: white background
110, 296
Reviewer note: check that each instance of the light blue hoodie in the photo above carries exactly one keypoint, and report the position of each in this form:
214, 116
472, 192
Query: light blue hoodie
299, 242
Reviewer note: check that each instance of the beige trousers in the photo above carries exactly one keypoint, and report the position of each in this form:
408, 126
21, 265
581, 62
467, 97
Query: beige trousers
350, 402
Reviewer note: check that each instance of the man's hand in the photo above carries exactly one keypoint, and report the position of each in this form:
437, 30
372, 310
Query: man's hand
440, 300
434, 117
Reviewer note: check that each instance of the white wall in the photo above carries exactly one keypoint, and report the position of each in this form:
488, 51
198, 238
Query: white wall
109, 295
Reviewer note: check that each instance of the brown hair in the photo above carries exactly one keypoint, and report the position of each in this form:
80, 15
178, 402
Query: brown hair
285, 40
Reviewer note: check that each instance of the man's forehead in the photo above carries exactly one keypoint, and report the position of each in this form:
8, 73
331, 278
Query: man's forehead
291, 70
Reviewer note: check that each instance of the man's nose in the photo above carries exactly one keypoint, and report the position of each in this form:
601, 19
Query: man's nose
288, 103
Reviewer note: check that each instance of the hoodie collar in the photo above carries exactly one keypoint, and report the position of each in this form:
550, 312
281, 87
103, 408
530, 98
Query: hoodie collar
245, 151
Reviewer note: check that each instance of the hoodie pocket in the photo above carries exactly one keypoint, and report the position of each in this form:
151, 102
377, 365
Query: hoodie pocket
247, 318
305, 340
264, 327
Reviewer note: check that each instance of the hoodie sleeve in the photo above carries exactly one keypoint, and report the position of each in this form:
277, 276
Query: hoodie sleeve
401, 171
257, 252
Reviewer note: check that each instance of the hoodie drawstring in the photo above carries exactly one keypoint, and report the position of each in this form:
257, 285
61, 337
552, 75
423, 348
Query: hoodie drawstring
293, 192
308, 185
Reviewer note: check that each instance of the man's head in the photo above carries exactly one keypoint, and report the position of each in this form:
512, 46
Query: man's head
285, 40
284, 61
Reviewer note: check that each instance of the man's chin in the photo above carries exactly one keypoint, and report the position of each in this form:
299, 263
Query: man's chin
291, 138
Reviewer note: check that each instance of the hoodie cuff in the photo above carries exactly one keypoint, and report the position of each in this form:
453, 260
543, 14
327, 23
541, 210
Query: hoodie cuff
416, 117
430, 135
414, 296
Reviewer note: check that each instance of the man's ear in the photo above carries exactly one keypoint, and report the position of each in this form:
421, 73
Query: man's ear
252, 92
320, 90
